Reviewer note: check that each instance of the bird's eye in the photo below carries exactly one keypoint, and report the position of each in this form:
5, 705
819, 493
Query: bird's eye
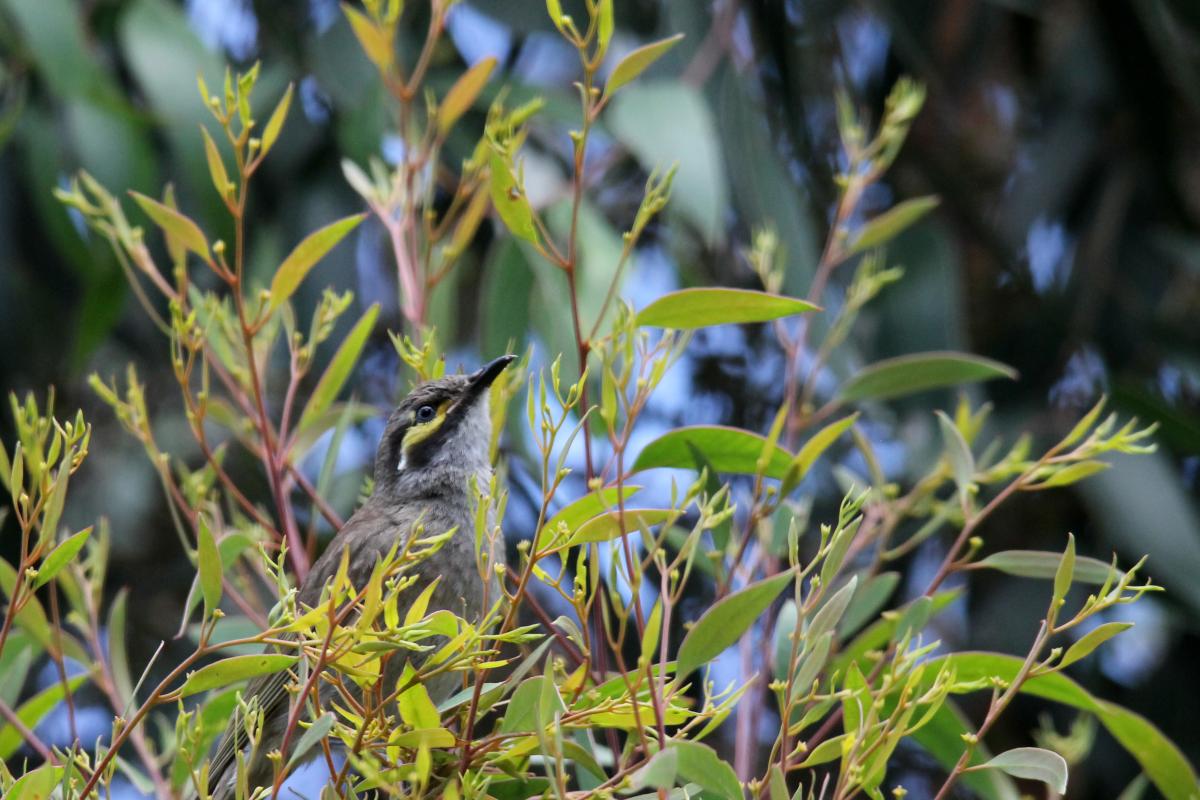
425, 413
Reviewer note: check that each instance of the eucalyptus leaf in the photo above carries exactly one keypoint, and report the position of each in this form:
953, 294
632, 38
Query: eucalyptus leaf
918, 372
306, 255
725, 622
688, 309
233, 669
727, 449
1034, 763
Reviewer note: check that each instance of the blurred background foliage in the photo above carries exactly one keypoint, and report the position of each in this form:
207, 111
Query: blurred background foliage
1059, 134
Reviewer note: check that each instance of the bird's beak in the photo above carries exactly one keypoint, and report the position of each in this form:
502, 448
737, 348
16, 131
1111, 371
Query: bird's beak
483, 377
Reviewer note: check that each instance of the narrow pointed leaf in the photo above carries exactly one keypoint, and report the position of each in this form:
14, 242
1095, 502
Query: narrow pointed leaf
275, 123
216, 166
962, 463
314, 247
1091, 640
905, 375
174, 224
725, 622
234, 669
727, 449
463, 93
208, 560
338, 371
688, 309
638, 61
891, 223
607, 526
61, 556
1044, 564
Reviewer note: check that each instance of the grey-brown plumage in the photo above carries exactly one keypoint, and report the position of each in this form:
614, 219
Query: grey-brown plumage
436, 441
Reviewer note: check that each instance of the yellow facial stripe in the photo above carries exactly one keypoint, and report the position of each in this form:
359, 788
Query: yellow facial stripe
423, 430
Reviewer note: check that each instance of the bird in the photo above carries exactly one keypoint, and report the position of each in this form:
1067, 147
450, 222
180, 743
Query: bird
435, 442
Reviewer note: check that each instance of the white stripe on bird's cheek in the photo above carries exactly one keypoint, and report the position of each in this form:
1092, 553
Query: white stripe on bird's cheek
403, 463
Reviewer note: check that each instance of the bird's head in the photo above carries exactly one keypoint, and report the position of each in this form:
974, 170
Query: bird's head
439, 436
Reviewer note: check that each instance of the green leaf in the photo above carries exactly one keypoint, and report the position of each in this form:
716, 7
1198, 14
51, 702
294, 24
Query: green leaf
814, 448
809, 668
962, 463
216, 166
914, 619
61, 556
416, 708
315, 733
659, 772
463, 93
549, 703
118, 654
311, 250
688, 309
275, 123
904, 375
604, 25
871, 596
892, 222
338, 371
1033, 763
725, 622
1161, 760
1091, 640
208, 561
38, 784
607, 526
941, 737
1044, 564
634, 64
1065, 573
577, 512
510, 201
1072, 474
32, 711
727, 449
700, 764
233, 669
174, 224
521, 716
825, 752
831, 611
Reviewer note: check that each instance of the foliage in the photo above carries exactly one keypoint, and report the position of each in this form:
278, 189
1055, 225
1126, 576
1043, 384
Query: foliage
608, 697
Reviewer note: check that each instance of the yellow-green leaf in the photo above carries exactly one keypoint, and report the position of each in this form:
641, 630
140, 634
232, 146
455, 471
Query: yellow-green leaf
463, 93
338, 371
314, 247
416, 708
233, 669
608, 527
375, 41
727, 449
32, 711
510, 201
275, 123
813, 449
208, 559
1066, 570
174, 224
216, 166
60, 556
892, 222
638, 61
1091, 640
688, 309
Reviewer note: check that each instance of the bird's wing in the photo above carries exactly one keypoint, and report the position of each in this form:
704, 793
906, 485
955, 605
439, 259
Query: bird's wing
271, 690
